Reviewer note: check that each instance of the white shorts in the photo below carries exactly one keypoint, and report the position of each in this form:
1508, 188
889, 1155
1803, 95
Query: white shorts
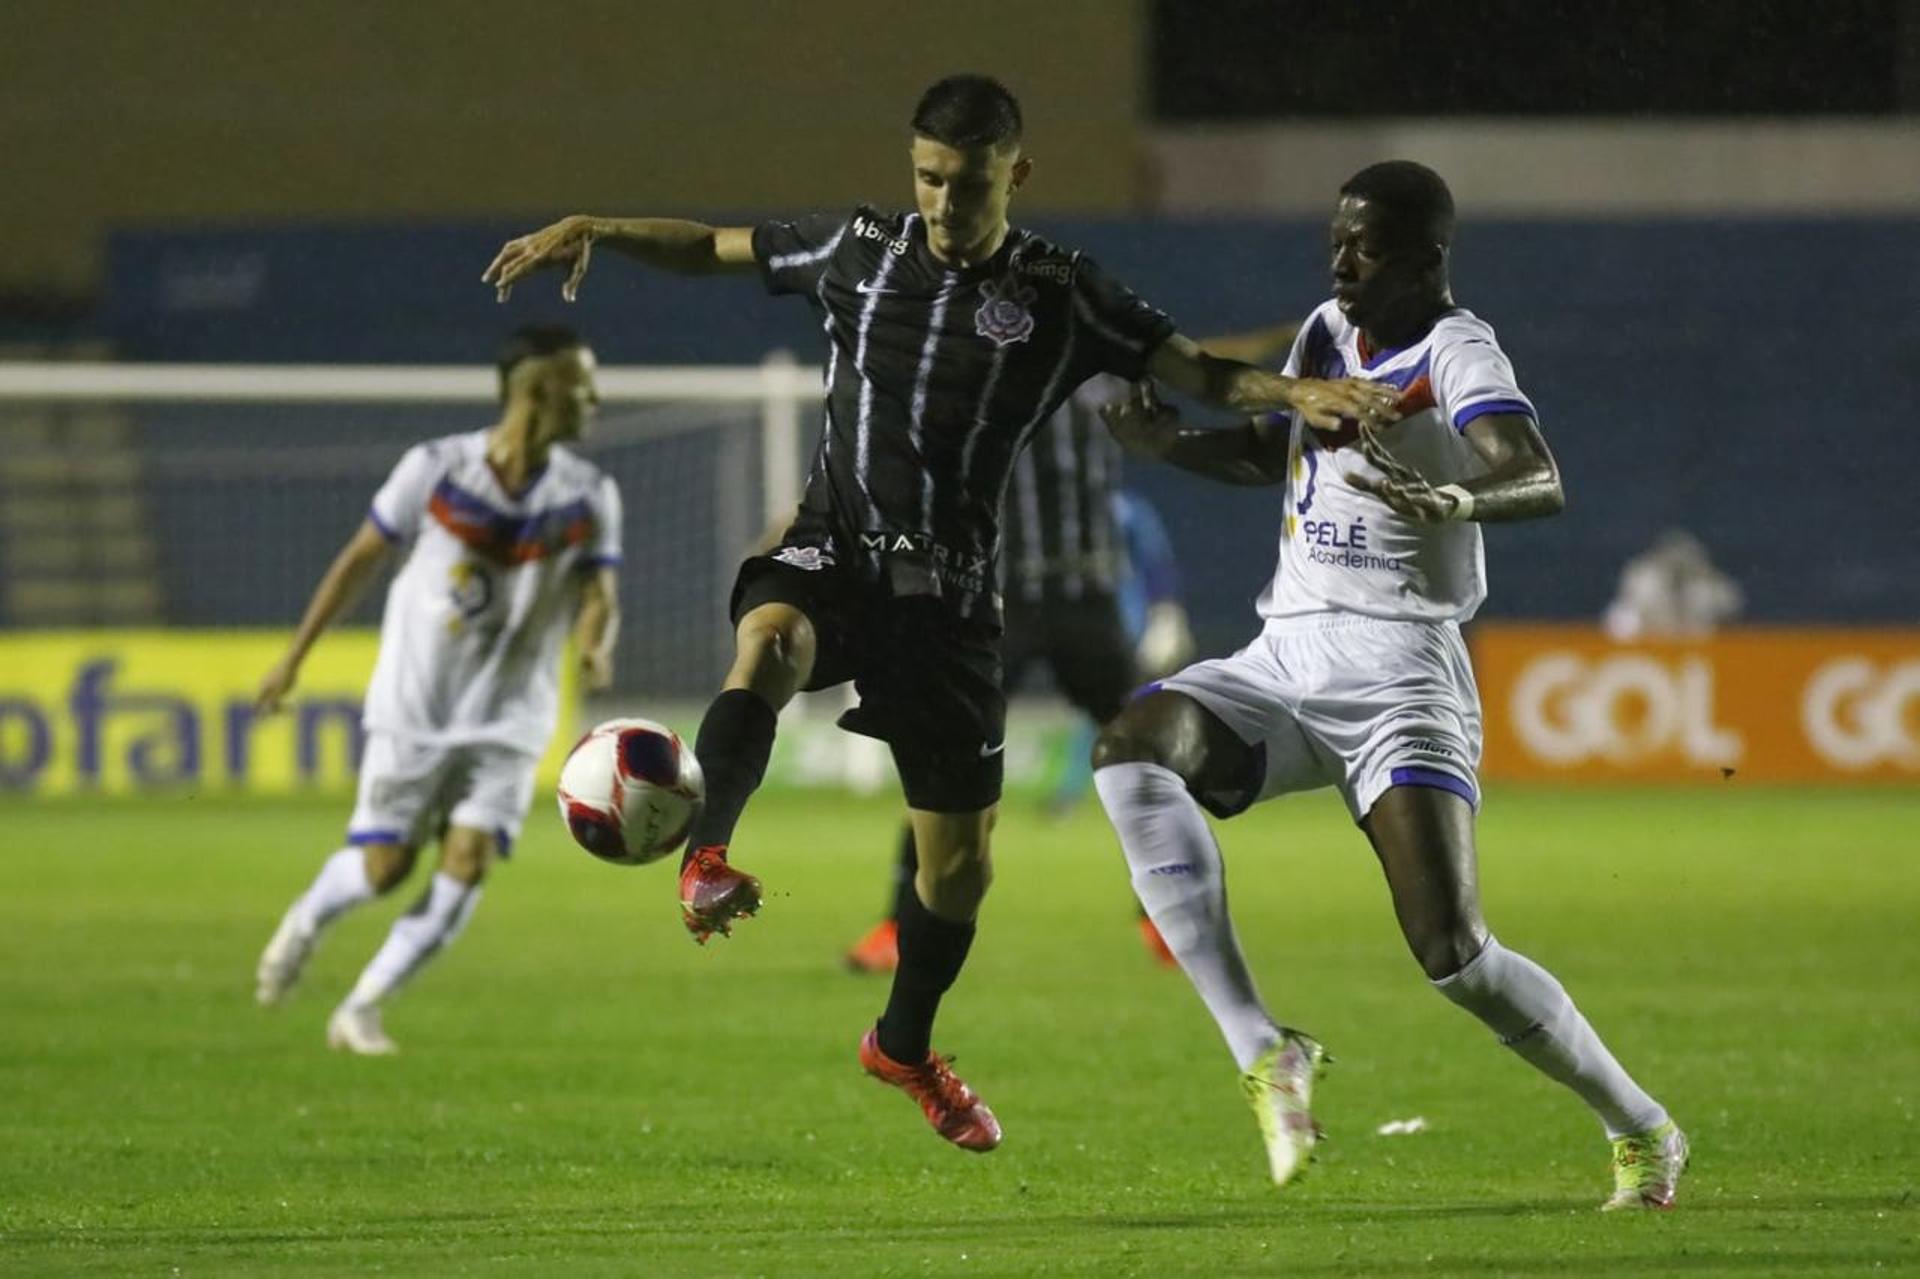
407, 788
1348, 701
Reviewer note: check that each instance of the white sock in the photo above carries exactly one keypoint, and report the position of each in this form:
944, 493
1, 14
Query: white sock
417, 936
1531, 1012
1181, 881
341, 885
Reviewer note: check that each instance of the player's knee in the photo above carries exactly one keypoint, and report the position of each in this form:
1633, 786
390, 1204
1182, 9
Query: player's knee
777, 640
466, 855
1444, 950
388, 865
1129, 739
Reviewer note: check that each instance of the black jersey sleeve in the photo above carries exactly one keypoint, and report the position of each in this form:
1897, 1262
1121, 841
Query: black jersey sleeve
1125, 328
793, 254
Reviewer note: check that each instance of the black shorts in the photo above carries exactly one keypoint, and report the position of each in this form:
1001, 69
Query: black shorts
928, 679
1084, 642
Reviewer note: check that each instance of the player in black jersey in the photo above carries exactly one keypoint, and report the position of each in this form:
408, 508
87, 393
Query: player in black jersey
951, 336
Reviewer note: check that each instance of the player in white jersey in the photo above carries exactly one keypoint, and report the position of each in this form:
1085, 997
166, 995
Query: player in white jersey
1359, 679
511, 539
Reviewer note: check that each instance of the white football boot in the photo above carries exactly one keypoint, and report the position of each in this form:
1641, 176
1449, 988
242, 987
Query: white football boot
1279, 1087
356, 1029
284, 958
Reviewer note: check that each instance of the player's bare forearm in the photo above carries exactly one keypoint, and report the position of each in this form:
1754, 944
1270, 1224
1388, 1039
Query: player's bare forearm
1255, 346
667, 244
596, 626
1253, 453
1246, 455
1522, 481
675, 244
1323, 405
340, 587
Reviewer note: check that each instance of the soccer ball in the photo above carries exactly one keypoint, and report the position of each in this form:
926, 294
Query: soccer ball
629, 791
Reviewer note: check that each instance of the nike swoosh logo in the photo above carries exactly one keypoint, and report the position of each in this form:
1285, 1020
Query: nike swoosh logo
867, 287
988, 752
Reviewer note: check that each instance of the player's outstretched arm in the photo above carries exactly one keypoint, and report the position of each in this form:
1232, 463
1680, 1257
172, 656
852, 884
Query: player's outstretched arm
667, 244
1521, 482
1253, 346
1326, 405
1252, 454
596, 626
345, 579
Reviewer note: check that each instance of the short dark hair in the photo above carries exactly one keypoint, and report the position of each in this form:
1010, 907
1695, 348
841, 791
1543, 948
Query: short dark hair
1414, 198
968, 111
532, 342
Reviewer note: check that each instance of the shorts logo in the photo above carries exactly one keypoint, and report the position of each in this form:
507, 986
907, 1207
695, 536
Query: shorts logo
810, 558
988, 752
1004, 315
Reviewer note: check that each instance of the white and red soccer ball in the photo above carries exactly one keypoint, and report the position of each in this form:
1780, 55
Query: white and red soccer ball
630, 790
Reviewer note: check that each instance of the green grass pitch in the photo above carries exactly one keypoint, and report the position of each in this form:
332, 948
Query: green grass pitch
584, 1092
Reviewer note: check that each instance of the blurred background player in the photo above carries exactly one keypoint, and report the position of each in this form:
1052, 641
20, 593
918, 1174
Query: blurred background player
1670, 590
510, 539
952, 336
1360, 679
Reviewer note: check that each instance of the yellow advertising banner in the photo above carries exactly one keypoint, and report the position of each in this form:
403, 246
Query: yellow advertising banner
125, 712
1565, 703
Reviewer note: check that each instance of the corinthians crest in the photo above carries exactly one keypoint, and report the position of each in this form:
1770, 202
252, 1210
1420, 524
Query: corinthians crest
1004, 313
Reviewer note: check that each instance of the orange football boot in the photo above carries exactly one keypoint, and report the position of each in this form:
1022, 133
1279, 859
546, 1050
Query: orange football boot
955, 1110
878, 951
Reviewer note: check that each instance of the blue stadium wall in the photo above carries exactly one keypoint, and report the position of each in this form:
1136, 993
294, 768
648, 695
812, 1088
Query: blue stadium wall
1753, 381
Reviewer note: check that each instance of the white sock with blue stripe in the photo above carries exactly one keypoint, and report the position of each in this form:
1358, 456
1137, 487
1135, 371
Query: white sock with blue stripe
417, 936
1181, 880
341, 885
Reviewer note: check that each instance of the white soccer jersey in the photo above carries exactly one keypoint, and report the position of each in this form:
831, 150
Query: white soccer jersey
1344, 550
478, 615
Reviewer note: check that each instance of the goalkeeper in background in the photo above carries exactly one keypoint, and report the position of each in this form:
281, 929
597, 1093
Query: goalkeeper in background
511, 539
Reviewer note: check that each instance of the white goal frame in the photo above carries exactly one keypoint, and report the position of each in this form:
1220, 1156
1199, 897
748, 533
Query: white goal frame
779, 384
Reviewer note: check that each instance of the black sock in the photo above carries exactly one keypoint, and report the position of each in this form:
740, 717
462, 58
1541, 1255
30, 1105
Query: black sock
735, 739
932, 951
904, 871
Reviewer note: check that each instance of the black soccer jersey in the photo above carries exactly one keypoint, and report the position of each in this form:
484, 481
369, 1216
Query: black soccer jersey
936, 377
1061, 538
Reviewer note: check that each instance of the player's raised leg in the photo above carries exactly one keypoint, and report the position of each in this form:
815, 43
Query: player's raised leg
366, 868
773, 656
1424, 838
1148, 763
936, 928
427, 929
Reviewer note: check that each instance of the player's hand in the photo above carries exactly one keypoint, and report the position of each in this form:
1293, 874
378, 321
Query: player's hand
570, 240
596, 671
1140, 422
1333, 404
278, 682
1400, 486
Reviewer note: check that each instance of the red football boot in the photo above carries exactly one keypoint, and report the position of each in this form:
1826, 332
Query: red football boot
714, 894
955, 1110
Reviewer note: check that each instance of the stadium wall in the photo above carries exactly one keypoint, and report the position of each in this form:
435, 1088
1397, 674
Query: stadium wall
1749, 380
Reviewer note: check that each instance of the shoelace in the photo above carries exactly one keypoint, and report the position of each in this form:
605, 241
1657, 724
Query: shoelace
936, 1076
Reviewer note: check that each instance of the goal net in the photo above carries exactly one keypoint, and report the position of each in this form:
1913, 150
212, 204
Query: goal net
197, 496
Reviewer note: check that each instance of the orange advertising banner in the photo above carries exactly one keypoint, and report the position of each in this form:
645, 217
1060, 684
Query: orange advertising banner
1565, 703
